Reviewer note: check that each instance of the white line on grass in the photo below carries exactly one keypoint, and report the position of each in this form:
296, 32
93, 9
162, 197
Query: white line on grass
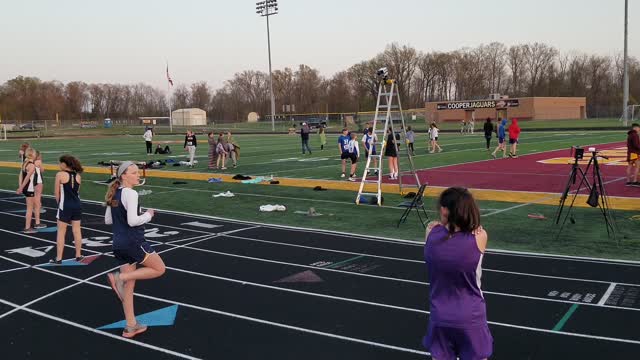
573, 192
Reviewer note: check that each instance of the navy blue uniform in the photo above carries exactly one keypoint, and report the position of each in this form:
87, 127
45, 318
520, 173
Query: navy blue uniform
129, 244
343, 140
29, 189
69, 208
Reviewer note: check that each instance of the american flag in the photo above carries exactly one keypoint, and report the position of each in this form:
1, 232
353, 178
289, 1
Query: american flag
169, 77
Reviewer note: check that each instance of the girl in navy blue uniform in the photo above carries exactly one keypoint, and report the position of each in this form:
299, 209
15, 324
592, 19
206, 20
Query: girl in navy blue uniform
37, 206
67, 192
343, 145
27, 182
129, 245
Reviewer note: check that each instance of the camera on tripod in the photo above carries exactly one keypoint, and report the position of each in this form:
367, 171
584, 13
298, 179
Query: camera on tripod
383, 75
577, 152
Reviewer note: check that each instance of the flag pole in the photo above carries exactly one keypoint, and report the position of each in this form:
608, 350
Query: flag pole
169, 99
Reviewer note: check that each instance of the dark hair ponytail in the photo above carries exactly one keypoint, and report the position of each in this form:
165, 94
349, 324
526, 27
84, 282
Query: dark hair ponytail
72, 163
463, 210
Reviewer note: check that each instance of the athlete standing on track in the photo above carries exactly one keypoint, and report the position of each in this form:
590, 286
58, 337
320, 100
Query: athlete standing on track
453, 254
27, 182
129, 245
37, 204
66, 190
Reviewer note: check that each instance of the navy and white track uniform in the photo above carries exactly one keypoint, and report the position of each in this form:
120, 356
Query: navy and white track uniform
69, 208
29, 189
129, 244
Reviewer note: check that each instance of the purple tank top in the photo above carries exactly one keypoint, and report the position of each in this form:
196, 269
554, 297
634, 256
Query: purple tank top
455, 267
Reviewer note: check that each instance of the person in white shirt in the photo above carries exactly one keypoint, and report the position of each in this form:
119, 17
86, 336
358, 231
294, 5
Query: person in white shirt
148, 137
433, 138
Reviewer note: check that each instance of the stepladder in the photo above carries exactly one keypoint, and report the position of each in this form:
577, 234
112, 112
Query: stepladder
384, 139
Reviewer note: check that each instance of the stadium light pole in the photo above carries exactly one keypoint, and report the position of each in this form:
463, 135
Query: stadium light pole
625, 81
267, 8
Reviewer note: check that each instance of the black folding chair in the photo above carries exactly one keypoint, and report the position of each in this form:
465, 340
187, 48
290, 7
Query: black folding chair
416, 203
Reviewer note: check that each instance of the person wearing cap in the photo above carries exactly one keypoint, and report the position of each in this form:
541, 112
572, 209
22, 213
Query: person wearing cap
130, 247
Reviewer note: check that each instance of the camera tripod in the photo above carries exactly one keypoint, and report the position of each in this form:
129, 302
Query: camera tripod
597, 194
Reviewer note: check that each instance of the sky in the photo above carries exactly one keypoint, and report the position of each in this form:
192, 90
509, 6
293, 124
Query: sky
130, 41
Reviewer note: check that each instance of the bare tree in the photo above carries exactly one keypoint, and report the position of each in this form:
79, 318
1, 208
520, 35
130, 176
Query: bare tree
516, 58
538, 59
200, 95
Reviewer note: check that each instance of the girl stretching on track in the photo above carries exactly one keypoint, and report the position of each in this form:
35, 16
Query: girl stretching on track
129, 245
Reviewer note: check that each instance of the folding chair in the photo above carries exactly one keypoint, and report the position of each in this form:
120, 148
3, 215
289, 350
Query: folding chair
416, 203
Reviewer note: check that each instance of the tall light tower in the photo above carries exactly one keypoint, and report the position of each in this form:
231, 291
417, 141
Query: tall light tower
625, 81
267, 8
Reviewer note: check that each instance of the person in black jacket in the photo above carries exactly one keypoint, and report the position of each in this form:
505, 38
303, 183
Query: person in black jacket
488, 129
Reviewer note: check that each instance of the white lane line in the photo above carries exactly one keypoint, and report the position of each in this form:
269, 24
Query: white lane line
410, 243
219, 312
421, 262
15, 269
81, 281
100, 332
379, 277
607, 293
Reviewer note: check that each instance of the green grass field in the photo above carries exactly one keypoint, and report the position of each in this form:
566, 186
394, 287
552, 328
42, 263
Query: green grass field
283, 126
508, 224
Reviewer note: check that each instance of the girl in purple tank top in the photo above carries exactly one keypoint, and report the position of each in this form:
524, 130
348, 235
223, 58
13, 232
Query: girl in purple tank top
453, 254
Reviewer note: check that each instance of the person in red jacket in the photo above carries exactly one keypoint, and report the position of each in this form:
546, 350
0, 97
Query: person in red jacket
514, 134
633, 151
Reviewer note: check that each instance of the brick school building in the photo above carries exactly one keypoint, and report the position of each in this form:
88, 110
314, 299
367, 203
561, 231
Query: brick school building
525, 108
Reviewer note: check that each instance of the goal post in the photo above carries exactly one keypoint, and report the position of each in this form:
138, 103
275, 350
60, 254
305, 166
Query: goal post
633, 115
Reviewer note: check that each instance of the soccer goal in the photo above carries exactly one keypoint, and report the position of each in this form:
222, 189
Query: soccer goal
633, 115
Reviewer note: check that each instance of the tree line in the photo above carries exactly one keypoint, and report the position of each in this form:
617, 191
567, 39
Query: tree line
466, 74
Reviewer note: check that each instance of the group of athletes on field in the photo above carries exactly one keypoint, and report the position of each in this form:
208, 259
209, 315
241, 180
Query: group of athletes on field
350, 150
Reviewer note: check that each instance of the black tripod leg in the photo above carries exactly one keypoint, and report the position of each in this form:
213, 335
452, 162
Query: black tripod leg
605, 206
584, 181
565, 193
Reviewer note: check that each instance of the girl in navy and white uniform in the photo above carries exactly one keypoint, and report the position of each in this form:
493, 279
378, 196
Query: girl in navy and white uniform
27, 182
67, 193
38, 191
129, 245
